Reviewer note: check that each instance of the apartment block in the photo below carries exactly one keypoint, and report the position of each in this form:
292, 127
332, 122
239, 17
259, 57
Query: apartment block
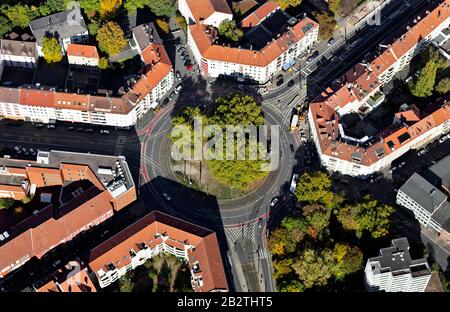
69, 192
356, 92
394, 270
155, 234
274, 41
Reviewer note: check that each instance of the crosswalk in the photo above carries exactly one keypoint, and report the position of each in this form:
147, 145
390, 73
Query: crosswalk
263, 254
234, 234
131, 145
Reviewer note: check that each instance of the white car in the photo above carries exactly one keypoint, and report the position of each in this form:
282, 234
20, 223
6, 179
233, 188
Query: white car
167, 196
443, 139
274, 202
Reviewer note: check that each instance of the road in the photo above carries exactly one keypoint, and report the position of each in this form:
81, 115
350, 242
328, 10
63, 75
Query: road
241, 223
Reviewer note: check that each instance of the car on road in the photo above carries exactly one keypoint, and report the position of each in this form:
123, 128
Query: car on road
310, 59
291, 83
165, 102
189, 67
292, 148
293, 183
56, 263
79, 129
421, 152
402, 164
38, 125
178, 75
274, 201
172, 95
178, 88
166, 196
50, 126
89, 130
104, 131
70, 128
443, 139
331, 41
280, 82
260, 222
393, 169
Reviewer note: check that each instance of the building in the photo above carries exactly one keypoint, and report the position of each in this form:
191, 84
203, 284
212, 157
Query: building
71, 192
207, 12
274, 42
119, 108
361, 156
73, 277
18, 53
394, 270
68, 27
427, 197
158, 233
82, 55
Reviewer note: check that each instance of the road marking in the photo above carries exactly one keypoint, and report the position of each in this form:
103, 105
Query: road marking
263, 254
235, 234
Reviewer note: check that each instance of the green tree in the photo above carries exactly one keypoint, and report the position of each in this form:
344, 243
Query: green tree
90, 7
291, 286
181, 21
51, 50
280, 242
103, 63
126, 284
282, 267
20, 15
229, 30
93, 27
237, 110
315, 188
163, 7
327, 24
348, 258
288, 3
111, 39
317, 218
443, 86
314, 267
5, 26
367, 215
6, 203
423, 86
109, 7
133, 5
56, 5
163, 26
334, 6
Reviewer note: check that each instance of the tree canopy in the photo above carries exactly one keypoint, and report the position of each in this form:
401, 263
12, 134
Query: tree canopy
229, 30
443, 86
315, 188
367, 214
288, 3
165, 8
327, 24
111, 39
423, 86
52, 50
5, 25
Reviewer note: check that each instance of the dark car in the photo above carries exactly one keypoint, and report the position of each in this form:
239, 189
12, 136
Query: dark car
70, 128
39, 125
291, 83
291, 147
280, 82
330, 41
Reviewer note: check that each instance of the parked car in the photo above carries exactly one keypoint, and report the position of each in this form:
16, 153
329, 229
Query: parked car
166, 196
50, 126
274, 201
189, 67
421, 152
260, 222
291, 83
172, 95
292, 148
331, 41
70, 128
178, 75
393, 169
38, 125
280, 82
402, 164
179, 88
104, 131
443, 139
89, 130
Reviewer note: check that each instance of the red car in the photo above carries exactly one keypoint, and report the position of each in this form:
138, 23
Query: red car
189, 67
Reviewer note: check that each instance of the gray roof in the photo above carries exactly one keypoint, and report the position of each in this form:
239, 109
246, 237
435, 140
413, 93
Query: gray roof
19, 48
442, 216
397, 258
146, 34
64, 24
439, 173
423, 192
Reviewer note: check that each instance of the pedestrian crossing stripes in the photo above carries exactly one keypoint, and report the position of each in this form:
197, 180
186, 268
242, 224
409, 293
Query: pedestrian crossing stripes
263, 254
246, 232
129, 145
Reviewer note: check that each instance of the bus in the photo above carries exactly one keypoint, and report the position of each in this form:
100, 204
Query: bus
294, 123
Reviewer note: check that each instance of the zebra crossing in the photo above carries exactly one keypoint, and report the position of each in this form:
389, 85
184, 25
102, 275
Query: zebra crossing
263, 253
130, 145
234, 234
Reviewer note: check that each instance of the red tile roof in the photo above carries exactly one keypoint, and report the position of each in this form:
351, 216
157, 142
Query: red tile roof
202, 9
259, 14
362, 80
82, 50
260, 58
67, 280
179, 234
